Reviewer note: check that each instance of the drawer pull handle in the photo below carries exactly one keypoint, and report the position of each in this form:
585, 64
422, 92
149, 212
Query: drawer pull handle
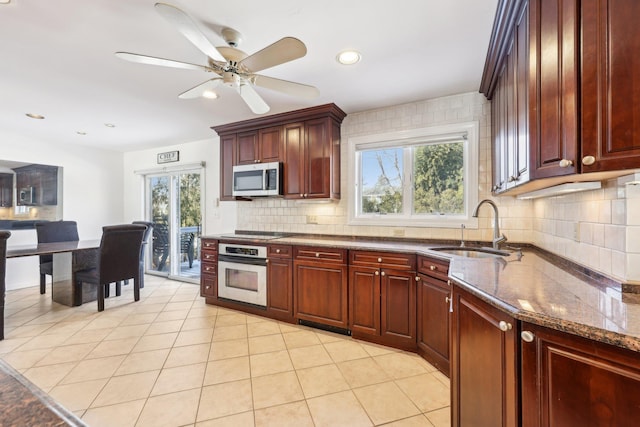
379, 259
504, 326
527, 336
433, 268
277, 251
317, 254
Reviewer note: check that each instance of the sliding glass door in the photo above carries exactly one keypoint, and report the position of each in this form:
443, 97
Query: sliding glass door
174, 205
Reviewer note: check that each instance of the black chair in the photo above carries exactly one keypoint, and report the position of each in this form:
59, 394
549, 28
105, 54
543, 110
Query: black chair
186, 246
54, 231
118, 260
145, 239
4, 235
160, 245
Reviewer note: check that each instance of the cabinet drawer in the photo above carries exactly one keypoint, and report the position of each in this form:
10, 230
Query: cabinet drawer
209, 245
209, 256
383, 259
433, 267
279, 251
209, 268
314, 253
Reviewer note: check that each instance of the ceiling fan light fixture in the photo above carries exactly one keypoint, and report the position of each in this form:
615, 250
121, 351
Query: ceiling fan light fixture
348, 57
209, 94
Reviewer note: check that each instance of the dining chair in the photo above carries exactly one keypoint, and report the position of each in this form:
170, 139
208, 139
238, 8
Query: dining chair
118, 260
49, 232
4, 235
145, 239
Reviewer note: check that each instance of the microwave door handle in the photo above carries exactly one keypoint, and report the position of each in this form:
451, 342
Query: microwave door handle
265, 179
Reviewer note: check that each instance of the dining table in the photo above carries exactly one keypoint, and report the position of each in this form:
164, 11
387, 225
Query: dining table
68, 258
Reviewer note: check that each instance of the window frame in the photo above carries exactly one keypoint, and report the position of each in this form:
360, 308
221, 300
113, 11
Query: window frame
408, 138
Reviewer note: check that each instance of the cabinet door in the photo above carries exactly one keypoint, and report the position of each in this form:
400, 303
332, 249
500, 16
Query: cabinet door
49, 185
320, 293
317, 158
499, 132
568, 381
6, 190
248, 151
270, 144
227, 160
433, 321
554, 50
610, 79
209, 285
398, 311
280, 288
484, 386
364, 300
294, 165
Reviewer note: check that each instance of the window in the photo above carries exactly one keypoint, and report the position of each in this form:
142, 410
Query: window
422, 177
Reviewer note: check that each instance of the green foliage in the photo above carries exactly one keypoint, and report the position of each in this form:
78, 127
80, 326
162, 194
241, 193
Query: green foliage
438, 180
190, 200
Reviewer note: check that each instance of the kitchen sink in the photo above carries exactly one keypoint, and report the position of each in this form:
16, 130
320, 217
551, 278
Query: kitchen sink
471, 252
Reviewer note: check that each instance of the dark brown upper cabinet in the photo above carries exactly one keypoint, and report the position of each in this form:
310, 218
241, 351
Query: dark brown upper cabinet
307, 141
563, 76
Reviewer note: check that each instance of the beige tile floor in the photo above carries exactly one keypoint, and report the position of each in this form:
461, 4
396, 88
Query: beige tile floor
172, 360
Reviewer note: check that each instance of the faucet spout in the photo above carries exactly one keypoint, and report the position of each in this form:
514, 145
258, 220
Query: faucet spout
497, 237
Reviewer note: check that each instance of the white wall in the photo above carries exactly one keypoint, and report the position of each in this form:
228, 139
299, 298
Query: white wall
92, 194
219, 217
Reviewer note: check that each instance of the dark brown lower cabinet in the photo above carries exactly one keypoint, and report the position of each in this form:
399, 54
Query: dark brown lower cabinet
433, 321
209, 269
280, 282
320, 283
484, 364
569, 381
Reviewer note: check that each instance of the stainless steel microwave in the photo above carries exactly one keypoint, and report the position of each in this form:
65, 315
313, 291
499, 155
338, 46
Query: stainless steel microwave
257, 180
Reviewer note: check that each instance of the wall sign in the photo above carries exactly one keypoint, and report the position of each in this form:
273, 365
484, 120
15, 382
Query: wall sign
168, 157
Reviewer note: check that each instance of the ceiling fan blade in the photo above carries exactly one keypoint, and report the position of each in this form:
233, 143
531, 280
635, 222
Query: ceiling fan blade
188, 28
285, 86
197, 91
152, 60
284, 50
253, 100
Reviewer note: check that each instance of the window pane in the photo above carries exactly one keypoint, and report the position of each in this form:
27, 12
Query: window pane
381, 181
438, 179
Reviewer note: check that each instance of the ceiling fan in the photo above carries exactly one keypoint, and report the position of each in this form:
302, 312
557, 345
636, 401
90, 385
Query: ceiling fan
233, 67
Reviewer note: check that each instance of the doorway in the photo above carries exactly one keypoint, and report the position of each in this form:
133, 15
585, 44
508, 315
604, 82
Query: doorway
174, 206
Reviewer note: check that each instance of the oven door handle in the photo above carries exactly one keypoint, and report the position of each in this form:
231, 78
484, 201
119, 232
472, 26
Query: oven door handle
242, 260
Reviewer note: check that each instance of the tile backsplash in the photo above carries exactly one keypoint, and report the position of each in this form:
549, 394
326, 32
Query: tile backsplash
595, 228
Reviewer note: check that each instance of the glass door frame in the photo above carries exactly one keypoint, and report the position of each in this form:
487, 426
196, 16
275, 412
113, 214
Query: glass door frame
173, 174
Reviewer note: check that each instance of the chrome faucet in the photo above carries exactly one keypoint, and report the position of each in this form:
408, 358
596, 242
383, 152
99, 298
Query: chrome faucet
497, 238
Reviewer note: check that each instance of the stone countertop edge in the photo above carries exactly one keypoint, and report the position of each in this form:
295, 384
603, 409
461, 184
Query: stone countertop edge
540, 288
25, 404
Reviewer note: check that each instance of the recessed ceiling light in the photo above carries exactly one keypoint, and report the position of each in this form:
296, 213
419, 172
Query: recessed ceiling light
209, 94
35, 116
110, 125
348, 57
81, 133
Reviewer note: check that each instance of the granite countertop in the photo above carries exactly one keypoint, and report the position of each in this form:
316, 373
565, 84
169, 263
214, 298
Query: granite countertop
537, 287
23, 404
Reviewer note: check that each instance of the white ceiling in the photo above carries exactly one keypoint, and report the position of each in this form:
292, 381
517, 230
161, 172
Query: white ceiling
57, 59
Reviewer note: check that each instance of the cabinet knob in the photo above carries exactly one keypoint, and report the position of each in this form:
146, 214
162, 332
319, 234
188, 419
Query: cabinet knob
277, 251
383, 274
317, 254
449, 282
527, 336
256, 161
207, 287
417, 278
504, 326
564, 163
513, 178
588, 160
377, 273
433, 268
447, 299
266, 261
305, 194
379, 259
